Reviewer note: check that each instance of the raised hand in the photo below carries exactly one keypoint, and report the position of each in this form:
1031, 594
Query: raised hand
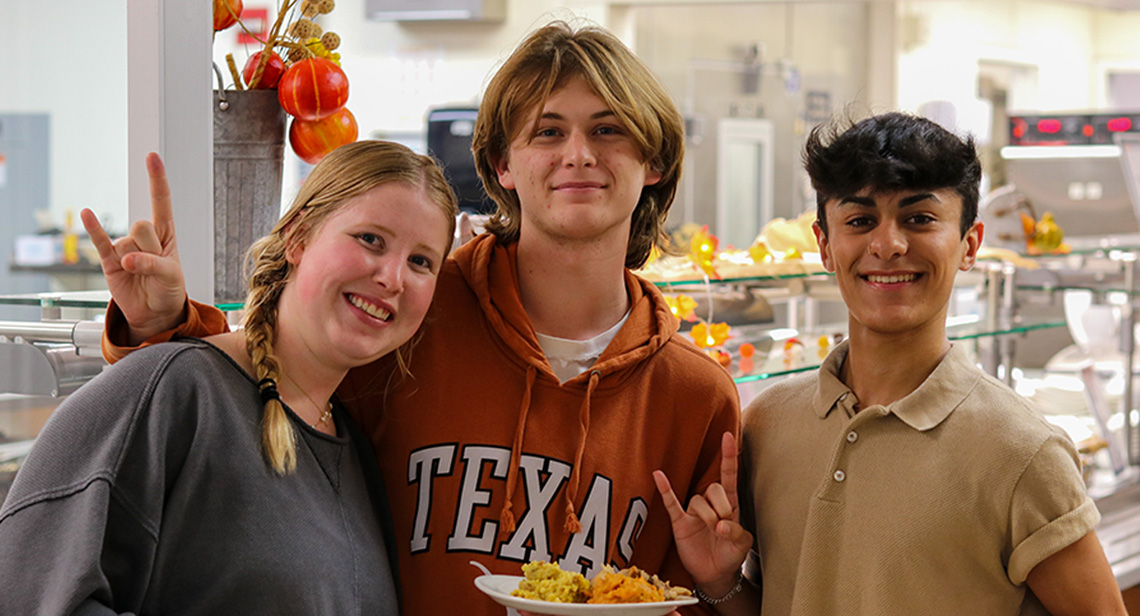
710, 540
142, 269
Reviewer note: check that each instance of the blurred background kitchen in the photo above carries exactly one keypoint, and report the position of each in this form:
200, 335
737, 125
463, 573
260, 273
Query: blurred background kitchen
1049, 89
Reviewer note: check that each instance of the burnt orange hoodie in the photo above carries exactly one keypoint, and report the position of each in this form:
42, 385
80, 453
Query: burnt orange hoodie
487, 457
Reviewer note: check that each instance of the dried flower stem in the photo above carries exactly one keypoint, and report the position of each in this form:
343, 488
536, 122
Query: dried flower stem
234, 72
271, 41
230, 10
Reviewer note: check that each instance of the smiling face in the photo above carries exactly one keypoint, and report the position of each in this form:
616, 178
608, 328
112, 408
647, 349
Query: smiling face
363, 281
578, 174
895, 256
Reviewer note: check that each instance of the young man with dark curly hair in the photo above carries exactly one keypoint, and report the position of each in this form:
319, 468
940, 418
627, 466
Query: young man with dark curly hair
899, 478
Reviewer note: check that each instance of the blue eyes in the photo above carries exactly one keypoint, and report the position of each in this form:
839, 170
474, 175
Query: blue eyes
376, 242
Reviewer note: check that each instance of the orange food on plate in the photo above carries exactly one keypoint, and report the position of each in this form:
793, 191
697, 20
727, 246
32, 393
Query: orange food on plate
547, 582
613, 587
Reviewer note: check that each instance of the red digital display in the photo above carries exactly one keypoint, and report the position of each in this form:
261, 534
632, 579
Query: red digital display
1119, 125
1018, 127
1070, 129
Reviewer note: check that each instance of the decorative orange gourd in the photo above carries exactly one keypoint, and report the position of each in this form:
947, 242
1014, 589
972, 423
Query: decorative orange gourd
313, 89
226, 13
270, 75
311, 141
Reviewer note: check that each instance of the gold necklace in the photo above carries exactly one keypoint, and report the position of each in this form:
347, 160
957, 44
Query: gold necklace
324, 417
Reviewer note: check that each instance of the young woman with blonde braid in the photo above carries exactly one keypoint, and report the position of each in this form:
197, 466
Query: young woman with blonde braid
220, 476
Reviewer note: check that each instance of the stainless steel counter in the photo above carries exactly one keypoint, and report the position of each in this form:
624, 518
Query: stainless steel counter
1119, 532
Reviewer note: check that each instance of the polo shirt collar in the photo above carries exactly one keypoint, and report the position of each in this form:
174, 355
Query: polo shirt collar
831, 388
924, 408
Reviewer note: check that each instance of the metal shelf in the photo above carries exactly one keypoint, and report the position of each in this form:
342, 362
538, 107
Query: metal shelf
743, 280
770, 361
79, 299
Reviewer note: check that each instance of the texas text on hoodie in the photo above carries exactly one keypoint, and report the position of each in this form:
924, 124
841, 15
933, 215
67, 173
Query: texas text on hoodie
487, 457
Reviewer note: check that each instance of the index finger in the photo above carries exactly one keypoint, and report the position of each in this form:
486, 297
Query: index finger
728, 470
161, 208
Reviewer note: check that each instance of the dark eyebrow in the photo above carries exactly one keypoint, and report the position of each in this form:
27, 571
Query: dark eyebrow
869, 202
911, 200
861, 201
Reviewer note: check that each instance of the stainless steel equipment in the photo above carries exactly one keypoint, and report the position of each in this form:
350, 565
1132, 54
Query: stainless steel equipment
1082, 185
49, 358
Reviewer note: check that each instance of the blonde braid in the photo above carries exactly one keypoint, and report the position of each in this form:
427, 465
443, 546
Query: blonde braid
270, 270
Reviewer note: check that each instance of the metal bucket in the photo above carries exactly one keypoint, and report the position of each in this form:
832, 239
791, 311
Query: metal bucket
249, 153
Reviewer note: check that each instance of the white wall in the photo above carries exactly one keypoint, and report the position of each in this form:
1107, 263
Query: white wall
1116, 49
404, 68
1070, 46
698, 52
68, 59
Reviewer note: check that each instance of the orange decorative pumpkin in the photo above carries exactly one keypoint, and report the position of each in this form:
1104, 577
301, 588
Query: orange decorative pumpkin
226, 13
270, 75
313, 89
312, 140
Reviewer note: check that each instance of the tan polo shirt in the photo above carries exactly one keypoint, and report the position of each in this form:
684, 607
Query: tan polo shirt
940, 503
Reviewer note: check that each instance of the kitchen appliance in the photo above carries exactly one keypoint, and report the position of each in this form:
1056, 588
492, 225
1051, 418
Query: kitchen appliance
449, 132
1082, 185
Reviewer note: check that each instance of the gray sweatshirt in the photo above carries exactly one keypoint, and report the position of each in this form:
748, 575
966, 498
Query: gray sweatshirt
147, 493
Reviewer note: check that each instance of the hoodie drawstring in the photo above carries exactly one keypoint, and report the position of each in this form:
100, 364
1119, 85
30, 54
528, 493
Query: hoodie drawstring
572, 524
506, 516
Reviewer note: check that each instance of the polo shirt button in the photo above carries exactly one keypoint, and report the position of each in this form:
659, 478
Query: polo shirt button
839, 475
852, 437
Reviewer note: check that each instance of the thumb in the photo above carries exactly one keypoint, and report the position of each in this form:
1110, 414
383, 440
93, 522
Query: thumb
733, 532
146, 264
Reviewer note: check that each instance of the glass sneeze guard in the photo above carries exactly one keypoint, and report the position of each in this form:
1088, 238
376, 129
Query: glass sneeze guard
96, 300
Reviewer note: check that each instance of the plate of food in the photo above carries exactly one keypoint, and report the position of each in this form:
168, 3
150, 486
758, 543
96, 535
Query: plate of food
544, 588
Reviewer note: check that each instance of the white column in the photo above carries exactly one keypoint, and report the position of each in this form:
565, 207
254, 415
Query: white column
169, 99
882, 56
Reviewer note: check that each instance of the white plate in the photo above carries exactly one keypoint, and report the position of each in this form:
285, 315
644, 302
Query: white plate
499, 588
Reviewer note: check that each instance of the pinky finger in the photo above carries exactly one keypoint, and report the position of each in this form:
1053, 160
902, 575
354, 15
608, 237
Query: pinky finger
98, 235
672, 505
